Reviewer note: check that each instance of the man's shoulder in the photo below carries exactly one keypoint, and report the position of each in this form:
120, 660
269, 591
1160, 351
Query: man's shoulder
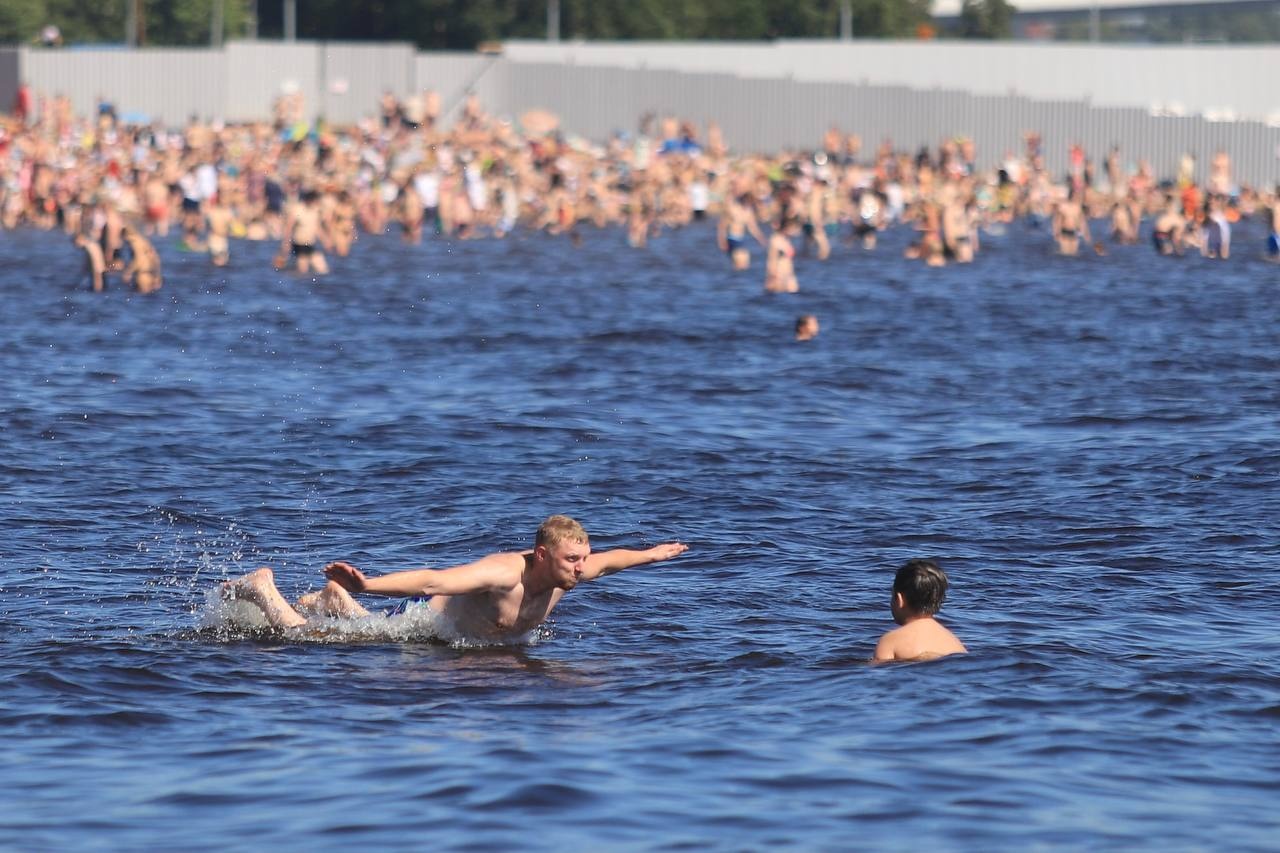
513, 561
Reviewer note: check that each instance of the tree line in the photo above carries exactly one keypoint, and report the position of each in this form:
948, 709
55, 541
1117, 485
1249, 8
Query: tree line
465, 24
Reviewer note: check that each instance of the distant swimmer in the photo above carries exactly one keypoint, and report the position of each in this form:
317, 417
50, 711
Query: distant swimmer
498, 597
806, 327
918, 590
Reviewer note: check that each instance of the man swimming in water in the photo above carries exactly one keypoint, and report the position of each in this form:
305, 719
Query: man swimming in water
498, 597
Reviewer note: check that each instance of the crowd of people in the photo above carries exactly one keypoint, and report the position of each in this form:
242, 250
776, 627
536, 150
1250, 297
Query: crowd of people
314, 189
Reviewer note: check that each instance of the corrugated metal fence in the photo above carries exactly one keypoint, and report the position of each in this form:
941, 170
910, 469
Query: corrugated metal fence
1198, 79
762, 108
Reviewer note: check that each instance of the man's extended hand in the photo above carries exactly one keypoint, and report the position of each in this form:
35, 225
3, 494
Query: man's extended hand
346, 576
666, 551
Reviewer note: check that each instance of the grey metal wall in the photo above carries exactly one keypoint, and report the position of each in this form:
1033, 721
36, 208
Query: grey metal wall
171, 84
765, 107
258, 72
10, 76
1196, 79
774, 114
354, 76
453, 75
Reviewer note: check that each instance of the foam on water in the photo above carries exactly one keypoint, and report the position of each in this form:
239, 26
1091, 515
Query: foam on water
235, 619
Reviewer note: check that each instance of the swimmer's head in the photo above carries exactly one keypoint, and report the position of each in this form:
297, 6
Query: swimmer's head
557, 529
562, 550
806, 327
919, 588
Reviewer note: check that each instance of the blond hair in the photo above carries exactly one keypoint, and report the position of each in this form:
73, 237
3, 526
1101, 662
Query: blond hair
557, 529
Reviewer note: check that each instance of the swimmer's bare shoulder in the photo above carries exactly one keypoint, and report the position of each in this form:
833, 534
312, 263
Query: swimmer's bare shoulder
924, 638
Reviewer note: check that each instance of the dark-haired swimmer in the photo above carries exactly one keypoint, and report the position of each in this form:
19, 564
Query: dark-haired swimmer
498, 597
918, 591
807, 327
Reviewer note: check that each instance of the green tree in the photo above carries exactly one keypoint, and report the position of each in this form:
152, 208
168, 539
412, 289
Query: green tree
162, 22
731, 20
889, 18
986, 19
21, 20
189, 22
462, 24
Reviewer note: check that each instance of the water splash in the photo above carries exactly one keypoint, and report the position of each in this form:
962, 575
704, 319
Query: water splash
229, 620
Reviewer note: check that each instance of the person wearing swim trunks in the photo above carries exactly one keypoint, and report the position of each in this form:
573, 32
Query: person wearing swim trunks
1070, 225
957, 228
155, 194
304, 232
1168, 229
870, 215
736, 222
499, 597
919, 588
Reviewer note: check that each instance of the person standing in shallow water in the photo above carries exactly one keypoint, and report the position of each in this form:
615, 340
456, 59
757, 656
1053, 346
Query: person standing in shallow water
918, 591
143, 269
305, 235
779, 269
737, 221
498, 597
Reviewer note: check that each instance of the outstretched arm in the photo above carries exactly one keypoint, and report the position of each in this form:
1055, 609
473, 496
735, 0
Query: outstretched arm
495, 572
607, 562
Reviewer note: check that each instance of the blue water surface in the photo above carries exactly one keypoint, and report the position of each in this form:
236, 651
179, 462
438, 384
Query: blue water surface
1090, 446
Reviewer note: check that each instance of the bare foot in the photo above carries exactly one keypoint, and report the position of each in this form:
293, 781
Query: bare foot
250, 586
308, 603
333, 601
259, 587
